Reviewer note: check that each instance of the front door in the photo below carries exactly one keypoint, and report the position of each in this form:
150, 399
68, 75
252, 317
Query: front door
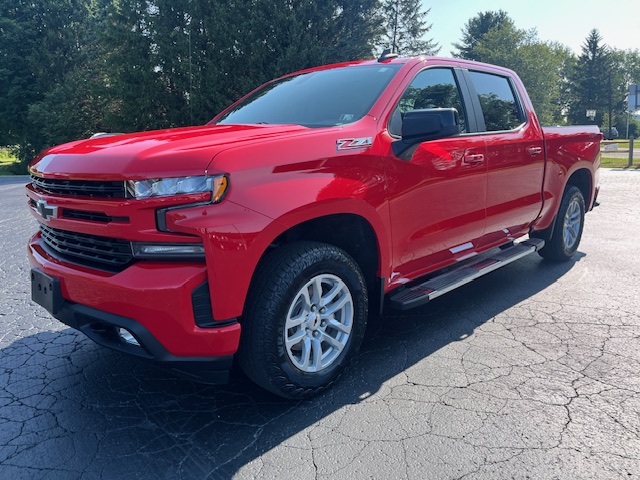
437, 194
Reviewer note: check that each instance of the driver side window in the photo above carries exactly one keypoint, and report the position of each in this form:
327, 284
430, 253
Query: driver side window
431, 88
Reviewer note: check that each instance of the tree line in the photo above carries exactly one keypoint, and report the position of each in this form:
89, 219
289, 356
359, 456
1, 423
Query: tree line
562, 86
71, 68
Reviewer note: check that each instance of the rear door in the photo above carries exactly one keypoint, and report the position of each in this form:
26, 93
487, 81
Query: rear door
514, 153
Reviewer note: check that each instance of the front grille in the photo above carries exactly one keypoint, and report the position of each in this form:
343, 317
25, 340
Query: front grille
88, 250
92, 216
85, 188
99, 217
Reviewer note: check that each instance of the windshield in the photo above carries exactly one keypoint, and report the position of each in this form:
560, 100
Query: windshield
316, 99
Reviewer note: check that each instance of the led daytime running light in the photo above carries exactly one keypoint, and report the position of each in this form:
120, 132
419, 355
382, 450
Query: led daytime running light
167, 250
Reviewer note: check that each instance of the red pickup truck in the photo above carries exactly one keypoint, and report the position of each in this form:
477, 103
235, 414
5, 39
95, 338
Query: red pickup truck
270, 234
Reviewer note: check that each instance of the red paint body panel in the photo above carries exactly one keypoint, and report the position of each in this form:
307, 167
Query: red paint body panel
568, 149
427, 212
157, 295
516, 163
436, 203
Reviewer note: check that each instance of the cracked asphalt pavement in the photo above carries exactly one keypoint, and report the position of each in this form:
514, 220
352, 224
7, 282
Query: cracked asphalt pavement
529, 373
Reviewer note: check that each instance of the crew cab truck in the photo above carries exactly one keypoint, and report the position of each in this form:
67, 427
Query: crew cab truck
270, 234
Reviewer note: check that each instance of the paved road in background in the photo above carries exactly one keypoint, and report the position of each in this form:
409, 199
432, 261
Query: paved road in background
531, 372
622, 153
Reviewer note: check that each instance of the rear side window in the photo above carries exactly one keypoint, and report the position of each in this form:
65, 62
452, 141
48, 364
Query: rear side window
499, 104
431, 88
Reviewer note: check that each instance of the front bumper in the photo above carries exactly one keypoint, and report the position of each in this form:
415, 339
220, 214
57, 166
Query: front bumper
152, 300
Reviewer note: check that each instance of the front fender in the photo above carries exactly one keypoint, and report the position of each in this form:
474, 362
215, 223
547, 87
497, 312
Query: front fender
235, 239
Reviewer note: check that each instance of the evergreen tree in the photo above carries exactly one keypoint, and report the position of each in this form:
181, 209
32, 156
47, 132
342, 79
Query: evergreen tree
590, 81
405, 27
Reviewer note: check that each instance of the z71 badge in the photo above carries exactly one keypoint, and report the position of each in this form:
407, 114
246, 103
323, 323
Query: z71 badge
351, 143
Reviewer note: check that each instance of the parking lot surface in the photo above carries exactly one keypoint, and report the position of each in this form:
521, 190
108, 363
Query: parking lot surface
531, 372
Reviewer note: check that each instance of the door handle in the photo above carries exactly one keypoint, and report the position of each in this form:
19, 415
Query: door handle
533, 151
474, 159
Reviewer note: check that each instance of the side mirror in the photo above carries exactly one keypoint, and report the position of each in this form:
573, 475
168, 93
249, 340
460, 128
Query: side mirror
427, 124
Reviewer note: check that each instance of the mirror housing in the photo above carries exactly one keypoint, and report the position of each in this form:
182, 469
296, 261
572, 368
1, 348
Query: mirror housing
426, 124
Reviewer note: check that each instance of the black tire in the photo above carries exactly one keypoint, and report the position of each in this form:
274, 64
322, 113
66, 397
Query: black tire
568, 227
276, 297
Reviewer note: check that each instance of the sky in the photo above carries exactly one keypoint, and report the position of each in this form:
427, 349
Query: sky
565, 21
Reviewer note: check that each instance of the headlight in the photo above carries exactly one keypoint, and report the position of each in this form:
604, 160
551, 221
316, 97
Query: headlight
162, 187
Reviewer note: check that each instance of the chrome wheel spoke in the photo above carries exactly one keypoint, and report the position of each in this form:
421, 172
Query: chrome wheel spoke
333, 342
331, 294
305, 355
316, 347
333, 323
317, 290
295, 338
304, 293
295, 321
338, 305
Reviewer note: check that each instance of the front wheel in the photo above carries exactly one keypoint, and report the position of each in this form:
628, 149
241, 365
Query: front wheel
305, 319
568, 227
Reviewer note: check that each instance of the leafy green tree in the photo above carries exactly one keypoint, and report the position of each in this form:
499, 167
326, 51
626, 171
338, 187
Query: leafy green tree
69, 68
405, 27
182, 61
75, 107
71, 110
541, 66
475, 29
627, 67
630, 62
38, 46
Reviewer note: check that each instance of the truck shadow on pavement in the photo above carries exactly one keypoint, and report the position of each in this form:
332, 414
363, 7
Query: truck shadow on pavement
71, 409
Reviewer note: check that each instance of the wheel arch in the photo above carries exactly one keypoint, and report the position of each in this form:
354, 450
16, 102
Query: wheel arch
581, 176
582, 179
348, 231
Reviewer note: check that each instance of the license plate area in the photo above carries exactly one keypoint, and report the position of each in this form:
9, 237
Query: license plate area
45, 291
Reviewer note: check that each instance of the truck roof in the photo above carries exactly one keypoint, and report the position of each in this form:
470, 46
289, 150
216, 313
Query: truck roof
411, 61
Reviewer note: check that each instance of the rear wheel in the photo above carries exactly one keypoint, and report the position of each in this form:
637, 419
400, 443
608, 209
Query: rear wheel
568, 227
305, 319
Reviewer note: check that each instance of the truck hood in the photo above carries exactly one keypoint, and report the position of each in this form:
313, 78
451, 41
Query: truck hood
155, 154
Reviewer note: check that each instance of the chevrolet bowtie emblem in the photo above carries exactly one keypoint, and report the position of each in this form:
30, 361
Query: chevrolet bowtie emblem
45, 210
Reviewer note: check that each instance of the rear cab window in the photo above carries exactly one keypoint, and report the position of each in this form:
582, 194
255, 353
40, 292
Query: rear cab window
500, 105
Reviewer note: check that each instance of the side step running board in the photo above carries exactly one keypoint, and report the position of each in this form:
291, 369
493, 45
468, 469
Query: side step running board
436, 286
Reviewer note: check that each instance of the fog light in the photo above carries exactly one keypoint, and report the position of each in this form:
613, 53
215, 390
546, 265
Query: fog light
126, 336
